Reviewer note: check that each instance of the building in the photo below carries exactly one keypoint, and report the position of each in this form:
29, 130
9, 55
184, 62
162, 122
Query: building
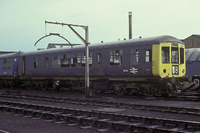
192, 41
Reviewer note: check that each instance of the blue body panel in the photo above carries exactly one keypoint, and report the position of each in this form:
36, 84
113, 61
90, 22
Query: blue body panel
103, 69
193, 62
32, 64
11, 71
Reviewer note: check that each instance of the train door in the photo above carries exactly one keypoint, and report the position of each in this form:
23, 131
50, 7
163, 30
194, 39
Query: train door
148, 62
24, 66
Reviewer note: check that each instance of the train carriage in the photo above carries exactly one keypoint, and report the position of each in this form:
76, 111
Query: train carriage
192, 62
150, 65
9, 69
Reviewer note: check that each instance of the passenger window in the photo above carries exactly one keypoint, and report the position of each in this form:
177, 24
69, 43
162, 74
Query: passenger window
4, 64
78, 59
99, 56
137, 55
116, 57
35, 63
46, 61
55, 61
134, 56
73, 60
148, 56
65, 61
174, 54
90, 59
9, 64
83, 60
165, 54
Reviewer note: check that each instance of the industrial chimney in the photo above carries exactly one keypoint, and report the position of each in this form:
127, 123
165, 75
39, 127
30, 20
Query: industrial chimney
130, 25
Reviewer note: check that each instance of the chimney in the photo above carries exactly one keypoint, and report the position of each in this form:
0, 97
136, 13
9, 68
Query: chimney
130, 25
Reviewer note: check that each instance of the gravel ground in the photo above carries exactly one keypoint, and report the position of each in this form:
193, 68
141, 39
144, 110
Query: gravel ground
12, 123
125, 99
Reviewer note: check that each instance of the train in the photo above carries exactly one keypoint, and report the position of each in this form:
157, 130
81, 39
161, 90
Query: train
150, 66
193, 64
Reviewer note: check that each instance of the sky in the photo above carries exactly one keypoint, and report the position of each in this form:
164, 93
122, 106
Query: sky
22, 22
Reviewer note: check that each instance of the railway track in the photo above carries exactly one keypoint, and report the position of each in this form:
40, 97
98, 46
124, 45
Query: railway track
101, 121
101, 103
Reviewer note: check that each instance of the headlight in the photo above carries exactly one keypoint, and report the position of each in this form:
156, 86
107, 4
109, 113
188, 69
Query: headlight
183, 71
164, 70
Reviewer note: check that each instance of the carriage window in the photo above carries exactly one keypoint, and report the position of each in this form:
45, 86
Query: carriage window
174, 55
55, 61
78, 59
4, 64
182, 55
83, 60
116, 57
99, 55
165, 54
148, 56
90, 59
65, 61
137, 55
35, 63
9, 64
46, 61
134, 56
73, 60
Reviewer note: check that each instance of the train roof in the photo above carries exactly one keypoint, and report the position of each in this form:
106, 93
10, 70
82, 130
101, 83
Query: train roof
9, 55
192, 54
124, 43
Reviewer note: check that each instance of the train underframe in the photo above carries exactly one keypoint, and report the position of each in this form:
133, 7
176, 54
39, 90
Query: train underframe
139, 86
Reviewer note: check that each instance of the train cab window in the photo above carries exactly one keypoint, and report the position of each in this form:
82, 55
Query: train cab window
35, 63
165, 54
55, 61
174, 55
4, 65
99, 56
65, 61
116, 57
148, 56
134, 56
182, 55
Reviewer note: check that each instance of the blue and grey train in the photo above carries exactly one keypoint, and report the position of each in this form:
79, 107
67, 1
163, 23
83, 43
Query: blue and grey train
150, 66
193, 65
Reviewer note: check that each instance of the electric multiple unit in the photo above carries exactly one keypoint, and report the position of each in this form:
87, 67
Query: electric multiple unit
151, 66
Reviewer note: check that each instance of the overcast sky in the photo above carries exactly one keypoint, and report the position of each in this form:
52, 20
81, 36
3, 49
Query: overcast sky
22, 22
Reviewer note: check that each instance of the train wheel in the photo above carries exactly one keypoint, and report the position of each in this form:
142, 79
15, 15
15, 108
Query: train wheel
12, 85
1, 85
171, 90
44, 87
119, 90
149, 91
30, 86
